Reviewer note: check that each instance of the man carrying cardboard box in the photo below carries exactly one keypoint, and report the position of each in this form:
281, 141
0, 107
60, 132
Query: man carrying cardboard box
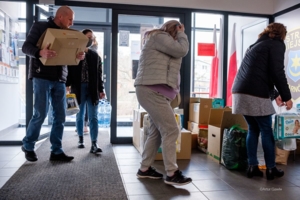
48, 86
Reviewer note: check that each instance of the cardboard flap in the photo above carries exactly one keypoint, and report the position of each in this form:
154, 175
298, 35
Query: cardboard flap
230, 119
215, 117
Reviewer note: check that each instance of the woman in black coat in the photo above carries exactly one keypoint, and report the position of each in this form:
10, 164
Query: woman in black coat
87, 84
261, 71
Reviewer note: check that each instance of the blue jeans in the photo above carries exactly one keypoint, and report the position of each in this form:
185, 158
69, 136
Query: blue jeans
85, 99
263, 125
46, 92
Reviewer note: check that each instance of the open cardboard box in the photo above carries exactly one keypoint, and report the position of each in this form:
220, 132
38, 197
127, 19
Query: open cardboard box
218, 120
185, 149
199, 110
66, 43
138, 116
197, 133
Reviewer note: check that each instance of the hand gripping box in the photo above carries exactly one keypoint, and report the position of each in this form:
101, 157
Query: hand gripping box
66, 42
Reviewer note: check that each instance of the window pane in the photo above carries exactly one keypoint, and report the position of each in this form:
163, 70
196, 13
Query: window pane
203, 20
203, 32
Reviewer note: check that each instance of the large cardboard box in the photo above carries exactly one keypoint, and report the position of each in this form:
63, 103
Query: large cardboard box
197, 133
199, 109
137, 123
66, 43
218, 120
185, 149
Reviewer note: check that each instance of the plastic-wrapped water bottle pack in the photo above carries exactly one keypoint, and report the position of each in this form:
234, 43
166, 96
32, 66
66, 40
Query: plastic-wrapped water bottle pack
104, 113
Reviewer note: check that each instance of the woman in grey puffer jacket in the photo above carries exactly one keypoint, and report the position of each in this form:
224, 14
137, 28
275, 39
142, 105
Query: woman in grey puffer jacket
157, 83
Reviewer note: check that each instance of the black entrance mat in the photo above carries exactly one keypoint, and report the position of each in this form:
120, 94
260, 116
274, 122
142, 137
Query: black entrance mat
88, 176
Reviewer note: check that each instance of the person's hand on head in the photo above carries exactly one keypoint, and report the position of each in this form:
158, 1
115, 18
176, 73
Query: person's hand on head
180, 27
47, 53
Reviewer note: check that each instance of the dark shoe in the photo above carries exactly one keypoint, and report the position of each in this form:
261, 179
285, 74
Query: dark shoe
80, 142
254, 171
150, 173
60, 157
177, 179
30, 155
272, 172
95, 148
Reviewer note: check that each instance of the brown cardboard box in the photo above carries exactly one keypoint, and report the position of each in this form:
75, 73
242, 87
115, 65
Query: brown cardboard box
196, 133
218, 120
138, 116
185, 150
193, 127
199, 110
66, 43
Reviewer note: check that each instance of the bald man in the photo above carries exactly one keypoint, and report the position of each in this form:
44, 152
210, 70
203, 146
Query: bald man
48, 87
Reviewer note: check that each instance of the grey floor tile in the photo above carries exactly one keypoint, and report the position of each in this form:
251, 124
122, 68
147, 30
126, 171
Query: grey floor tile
271, 193
201, 174
6, 157
211, 185
127, 156
2, 163
130, 178
129, 169
148, 197
3, 180
128, 162
10, 150
7, 172
152, 187
14, 164
179, 190
224, 195
190, 196
124, 149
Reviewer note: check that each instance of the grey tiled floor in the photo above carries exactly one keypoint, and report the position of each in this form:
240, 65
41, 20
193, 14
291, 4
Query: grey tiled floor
210, 180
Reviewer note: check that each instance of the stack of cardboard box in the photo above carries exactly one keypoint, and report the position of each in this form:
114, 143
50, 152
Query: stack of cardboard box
138, 116
199, 110
140, 126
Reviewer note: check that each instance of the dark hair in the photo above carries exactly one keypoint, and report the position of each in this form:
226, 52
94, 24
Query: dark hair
85, 31
275, 30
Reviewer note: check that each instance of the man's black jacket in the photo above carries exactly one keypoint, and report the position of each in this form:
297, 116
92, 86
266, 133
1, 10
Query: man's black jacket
36, 67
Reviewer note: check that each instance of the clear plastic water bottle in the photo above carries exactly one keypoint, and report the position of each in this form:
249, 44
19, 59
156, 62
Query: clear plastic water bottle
107, 114
101, 114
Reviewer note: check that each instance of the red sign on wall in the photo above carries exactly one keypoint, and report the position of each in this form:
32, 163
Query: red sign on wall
206, 49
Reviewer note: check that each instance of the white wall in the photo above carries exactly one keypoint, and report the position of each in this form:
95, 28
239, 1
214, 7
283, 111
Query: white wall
280, 5
252, 6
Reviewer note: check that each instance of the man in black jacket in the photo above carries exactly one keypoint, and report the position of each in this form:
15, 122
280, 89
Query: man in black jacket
48, 87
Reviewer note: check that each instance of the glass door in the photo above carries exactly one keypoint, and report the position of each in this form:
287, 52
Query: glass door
12, 72
96, 19
128, 30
